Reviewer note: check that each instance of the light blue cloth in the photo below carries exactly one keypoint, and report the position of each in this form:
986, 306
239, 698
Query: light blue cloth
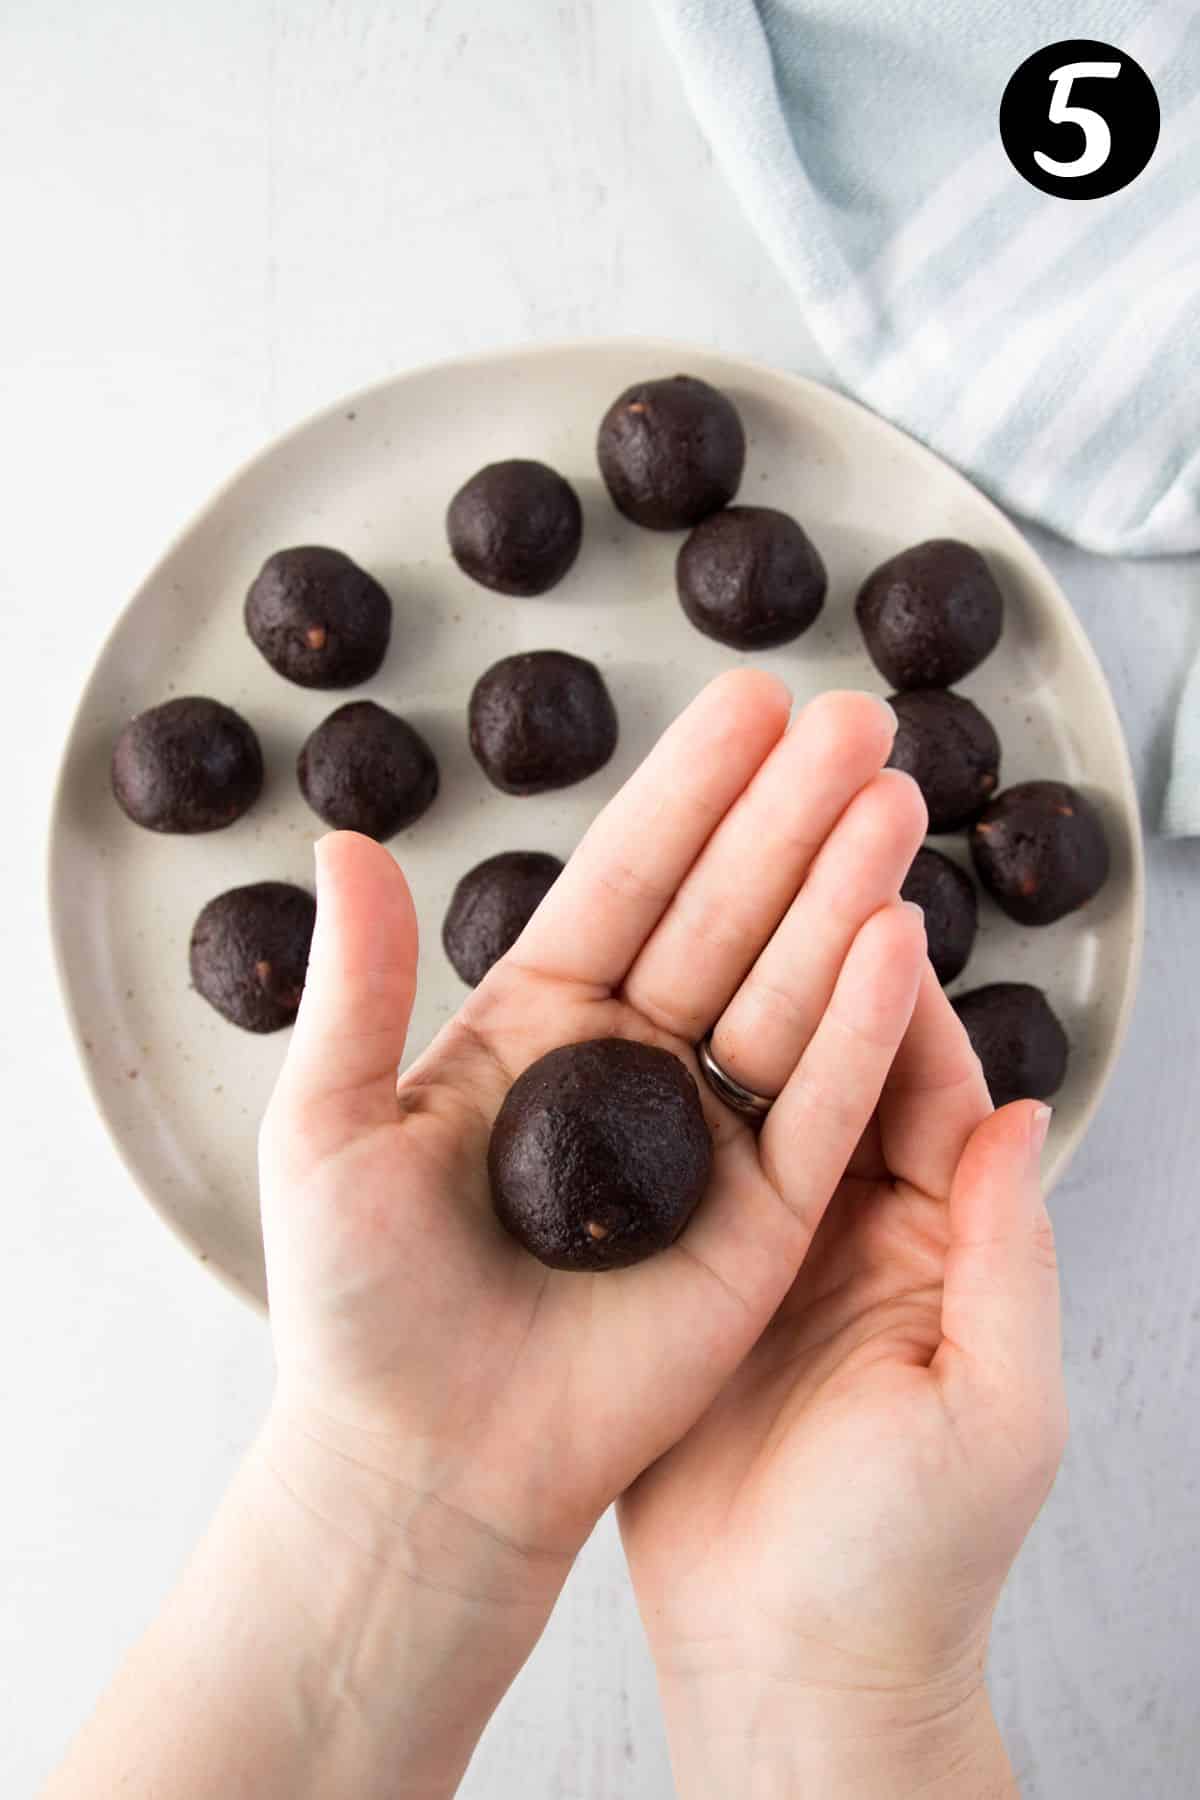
1050, 347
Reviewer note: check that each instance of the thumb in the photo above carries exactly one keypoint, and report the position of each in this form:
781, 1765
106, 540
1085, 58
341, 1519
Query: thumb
362, 973
1000, 1302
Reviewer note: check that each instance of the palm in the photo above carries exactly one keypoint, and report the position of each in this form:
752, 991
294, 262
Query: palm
395, 1290
509, 1349
846, 1424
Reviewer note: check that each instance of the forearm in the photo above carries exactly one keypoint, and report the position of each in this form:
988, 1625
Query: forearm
777, 1742
326, 1639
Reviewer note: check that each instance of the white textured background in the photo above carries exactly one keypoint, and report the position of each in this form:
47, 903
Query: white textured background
215, 218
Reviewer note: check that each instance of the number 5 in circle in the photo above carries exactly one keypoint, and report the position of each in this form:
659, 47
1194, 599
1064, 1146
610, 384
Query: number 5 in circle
1097, 137
1112, 139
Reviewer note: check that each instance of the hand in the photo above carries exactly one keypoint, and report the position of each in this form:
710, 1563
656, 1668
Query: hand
818, 1560
451, 1417
495, 1405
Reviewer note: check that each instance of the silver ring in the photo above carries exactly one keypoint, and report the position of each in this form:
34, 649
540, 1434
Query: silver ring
739, 1099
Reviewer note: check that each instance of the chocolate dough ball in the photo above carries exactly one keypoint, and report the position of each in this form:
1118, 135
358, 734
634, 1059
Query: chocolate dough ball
1040, 851
318, 618
249, 953
515, 527
946, 895
931, 614
1017, 1038
491, 906
188, 765
541, 720
671, 452
364, 769
951, 751
599, 1154
749, 577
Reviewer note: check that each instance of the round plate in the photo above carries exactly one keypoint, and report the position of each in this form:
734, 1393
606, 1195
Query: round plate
180, 1089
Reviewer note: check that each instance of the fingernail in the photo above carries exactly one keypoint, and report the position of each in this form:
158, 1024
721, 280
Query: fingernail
912, 907
319, 860
1039, 1125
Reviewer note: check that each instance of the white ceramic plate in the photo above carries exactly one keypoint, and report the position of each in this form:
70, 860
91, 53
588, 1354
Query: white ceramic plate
180, 1089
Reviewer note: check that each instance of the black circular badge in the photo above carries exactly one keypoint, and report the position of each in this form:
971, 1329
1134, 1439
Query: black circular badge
1079, 119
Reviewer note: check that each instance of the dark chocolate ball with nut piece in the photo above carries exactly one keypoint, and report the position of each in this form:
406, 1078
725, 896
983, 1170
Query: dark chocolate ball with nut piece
951, 751
492, 905
750, 577
931, 614
671, 452
1018, 1039
1040, 851
188, 765
946, 895
249, 953
541, 720
366, 769
319, 619
515, 527
600, 1154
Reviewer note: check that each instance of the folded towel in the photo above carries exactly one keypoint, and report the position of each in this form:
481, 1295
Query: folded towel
1050, 347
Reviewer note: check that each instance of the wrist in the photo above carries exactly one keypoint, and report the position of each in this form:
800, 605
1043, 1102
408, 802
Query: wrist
410, 1618
760, 1734
333, 1636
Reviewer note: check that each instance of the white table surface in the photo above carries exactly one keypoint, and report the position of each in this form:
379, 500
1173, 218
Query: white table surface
217, 218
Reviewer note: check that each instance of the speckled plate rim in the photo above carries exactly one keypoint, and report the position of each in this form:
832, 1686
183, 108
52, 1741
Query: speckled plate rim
663, 351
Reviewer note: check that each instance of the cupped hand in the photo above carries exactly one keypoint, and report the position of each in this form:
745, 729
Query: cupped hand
747, 872
829, 1541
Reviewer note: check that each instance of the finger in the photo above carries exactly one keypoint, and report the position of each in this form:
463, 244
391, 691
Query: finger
761, 1035
624, 874
867, 1161
1000, 1305
935, 1095
752, 1236
746, 877
362, 969
813, 1128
